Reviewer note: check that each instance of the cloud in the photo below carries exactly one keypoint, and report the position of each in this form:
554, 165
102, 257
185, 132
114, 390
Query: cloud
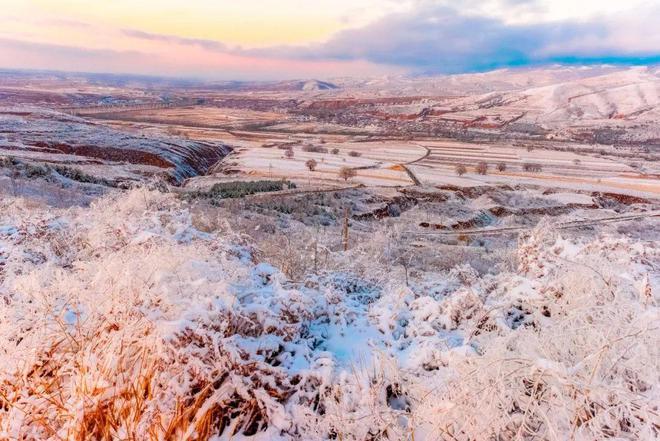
210, 45
429, 36
433, 37
439, 39
65, 51
25, 54
195, 63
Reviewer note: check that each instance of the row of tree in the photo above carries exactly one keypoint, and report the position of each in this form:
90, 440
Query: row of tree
482, 168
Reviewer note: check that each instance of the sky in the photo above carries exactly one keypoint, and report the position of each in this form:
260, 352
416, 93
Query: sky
286, 39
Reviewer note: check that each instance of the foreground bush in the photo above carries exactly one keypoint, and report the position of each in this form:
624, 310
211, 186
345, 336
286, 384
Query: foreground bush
122, 321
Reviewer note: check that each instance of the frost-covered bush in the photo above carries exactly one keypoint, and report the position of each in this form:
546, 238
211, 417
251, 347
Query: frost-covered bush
123, 321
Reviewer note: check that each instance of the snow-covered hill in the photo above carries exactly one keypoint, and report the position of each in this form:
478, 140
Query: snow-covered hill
629, 94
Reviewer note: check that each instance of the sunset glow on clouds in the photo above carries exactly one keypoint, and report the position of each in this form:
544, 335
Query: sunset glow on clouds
270, 39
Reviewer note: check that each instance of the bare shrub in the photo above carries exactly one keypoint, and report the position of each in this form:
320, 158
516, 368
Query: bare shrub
290, 253
7, 161
288, 153
482, 168
14, 179
314, 148
36, 170
532, 167
76, 174
354, 154
311, 164
346, 173
334, 151
501, 166
463, 238
460, 169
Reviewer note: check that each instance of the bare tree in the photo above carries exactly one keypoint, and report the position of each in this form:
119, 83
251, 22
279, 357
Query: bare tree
461, 170
347, 173
482, 168
14, 180
311, 164
344, 230
404, 258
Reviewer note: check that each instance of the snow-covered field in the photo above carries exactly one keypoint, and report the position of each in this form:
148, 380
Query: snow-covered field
125, 321
377, 163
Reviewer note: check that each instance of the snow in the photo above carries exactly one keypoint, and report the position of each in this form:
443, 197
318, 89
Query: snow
128, 293
8, 230
571, 198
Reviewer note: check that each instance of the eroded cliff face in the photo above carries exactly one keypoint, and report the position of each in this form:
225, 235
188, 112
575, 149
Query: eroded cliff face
32, 133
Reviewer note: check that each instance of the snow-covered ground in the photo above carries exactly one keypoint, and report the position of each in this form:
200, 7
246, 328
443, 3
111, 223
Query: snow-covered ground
123, 320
